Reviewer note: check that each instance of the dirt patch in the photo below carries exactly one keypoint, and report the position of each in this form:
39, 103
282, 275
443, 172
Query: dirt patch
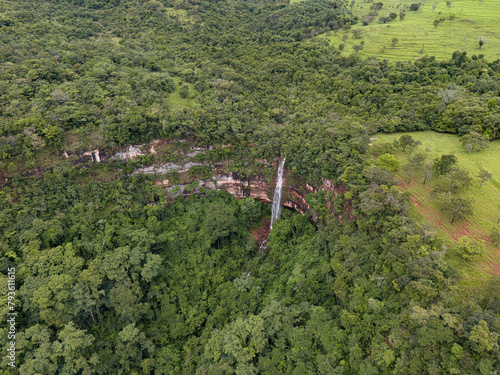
261, 235
493, 269
466, 228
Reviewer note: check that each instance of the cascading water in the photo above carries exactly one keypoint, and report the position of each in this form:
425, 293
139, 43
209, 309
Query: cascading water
276, 209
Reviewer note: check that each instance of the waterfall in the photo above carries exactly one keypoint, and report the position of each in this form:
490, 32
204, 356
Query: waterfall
276, 209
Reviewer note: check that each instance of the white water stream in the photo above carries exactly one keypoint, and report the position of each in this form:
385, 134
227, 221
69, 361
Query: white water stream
276, 209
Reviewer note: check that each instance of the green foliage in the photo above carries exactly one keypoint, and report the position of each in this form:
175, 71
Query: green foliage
473, 141
483, 338
220, 221
407, 141
486, 197
439, 21
123, 286
494, 237
469, 248
127, 90
453, 182
414, 165
414, 7
483, 176
456, 207
201, 171
357, 33
387, 161
417, 159
184, 91
381, 148
357, 48
481, 41
417, 29
115, 278
444, 164
250, 209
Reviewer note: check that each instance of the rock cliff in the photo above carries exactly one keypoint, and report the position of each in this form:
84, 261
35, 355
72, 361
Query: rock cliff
256, 186
259, 188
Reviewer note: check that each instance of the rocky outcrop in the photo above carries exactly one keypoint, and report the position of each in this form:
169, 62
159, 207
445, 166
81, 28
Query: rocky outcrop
255, 186
167, 167
259, 188
129, 153
94, 155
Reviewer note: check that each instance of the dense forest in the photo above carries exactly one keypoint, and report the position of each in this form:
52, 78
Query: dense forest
109, 281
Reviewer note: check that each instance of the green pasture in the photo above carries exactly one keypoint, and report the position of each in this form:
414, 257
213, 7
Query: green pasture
486, 198
182, 16
417, 36
175, 101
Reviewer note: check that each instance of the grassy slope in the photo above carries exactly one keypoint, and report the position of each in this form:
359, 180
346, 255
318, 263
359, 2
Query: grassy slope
472, 19
175, 101
486, 198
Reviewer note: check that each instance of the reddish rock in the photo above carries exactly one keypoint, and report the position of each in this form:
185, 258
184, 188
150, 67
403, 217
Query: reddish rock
261, 235
257, 187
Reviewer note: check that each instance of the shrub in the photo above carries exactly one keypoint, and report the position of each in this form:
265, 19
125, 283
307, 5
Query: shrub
203, 171
357, 33
381, 148
495, 237
388, 161
468, 248
414, 7
184, 91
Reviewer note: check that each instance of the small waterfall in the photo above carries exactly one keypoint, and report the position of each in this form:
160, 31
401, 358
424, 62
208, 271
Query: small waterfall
276, 209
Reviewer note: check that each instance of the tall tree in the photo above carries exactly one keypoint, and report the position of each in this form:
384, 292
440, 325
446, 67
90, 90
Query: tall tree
357, 33
484, 339
456, 207
357, 48
414, 165
407, 141
481, 41
427, 173
473, 141
444, 164
483, 176
454, 181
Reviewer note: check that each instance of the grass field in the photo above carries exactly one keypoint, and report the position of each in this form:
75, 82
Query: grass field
473, 19
486, 206
175, 101
182, 16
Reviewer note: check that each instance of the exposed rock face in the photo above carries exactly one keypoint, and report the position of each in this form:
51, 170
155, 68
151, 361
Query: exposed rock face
131, 152
257, 187
167, 167
94, 155
254, 186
